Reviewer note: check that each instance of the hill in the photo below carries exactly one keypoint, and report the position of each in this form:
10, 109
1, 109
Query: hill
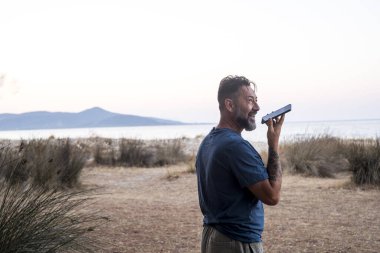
94, 117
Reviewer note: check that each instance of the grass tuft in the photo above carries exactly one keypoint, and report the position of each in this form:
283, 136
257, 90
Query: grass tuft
49, 163
139, 153
36, 219
320, 156
134, 152
169, 152
104, 152
364, 159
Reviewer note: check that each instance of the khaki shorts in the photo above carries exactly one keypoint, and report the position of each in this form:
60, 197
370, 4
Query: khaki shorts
215, 242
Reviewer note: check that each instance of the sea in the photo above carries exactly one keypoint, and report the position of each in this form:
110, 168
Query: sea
347, 129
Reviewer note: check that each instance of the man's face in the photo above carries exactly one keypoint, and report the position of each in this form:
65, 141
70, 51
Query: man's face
246, 108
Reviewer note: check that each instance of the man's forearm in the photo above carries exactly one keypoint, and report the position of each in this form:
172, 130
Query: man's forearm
274, 166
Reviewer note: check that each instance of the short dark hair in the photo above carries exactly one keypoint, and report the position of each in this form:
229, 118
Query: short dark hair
229, 86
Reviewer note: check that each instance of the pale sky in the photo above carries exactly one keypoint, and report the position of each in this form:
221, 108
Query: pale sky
166, 58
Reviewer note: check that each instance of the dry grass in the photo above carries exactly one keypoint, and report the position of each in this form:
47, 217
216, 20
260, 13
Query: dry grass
48, 163
137, 152
156, 209
149, 213
325, 156
364, 159
321, 156
35, 220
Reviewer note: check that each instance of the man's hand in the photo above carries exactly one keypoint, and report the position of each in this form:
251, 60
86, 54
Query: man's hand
268, 191
274, 131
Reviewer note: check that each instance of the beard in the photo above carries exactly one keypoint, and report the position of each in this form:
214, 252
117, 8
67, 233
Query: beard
246, 122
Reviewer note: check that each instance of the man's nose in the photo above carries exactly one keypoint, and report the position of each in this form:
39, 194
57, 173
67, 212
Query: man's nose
256, 107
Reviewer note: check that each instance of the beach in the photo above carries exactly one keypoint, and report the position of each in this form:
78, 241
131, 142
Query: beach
156, 210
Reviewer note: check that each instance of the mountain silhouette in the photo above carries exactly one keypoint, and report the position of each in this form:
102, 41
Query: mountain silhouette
94, 117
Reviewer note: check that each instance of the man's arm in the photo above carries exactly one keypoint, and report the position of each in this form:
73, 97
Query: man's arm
268, 191
274, 166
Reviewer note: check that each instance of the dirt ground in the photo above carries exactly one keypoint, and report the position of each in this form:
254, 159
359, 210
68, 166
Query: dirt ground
156, 210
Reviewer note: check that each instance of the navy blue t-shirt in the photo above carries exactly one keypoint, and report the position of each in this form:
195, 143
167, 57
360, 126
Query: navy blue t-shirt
226, 164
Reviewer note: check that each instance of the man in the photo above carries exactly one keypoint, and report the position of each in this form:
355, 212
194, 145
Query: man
232, 179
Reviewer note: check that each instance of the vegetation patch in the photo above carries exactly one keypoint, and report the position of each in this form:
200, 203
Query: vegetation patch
139, 153
325, 156
364, 159
34, 218
47, 163
321, 156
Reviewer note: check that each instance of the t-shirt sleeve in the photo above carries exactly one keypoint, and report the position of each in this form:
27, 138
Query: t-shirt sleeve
246, 164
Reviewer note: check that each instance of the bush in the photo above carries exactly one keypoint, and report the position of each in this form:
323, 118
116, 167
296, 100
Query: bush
321, 156
364, 160
134, 152
169, 152
47, 163
139, 153
104, 152
33, 219
70, 162
191, 164
12, 163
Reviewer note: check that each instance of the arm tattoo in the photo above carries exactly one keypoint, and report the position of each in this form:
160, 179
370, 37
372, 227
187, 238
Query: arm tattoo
274, 165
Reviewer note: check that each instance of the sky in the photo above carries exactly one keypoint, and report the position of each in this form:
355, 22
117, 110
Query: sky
166, 58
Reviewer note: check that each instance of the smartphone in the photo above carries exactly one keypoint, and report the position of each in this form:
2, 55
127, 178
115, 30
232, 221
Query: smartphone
276, 113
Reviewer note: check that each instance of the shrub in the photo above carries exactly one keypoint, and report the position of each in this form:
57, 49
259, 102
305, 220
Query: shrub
104, 152
33, 219
12, 163
364, 161
191, 164
320, 156
47, 163
41, 163
169, 152
134, 152
54, 163
70, 162
98, 157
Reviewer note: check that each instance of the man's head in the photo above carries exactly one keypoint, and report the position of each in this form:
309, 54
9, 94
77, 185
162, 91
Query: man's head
238, 101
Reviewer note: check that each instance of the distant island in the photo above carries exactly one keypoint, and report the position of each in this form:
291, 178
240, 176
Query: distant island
94, 117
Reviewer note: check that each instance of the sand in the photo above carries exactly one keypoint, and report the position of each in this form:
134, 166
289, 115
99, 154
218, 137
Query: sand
156, 210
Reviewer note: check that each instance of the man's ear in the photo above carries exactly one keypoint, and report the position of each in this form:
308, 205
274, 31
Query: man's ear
229, 104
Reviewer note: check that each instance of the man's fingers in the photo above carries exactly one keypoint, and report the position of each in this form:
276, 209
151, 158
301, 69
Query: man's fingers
270, 123
276, 122
279, 120
282, 119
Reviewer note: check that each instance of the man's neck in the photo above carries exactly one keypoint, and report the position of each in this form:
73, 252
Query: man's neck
225, 123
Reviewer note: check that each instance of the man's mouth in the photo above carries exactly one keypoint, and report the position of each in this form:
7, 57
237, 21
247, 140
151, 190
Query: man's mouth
252, 117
